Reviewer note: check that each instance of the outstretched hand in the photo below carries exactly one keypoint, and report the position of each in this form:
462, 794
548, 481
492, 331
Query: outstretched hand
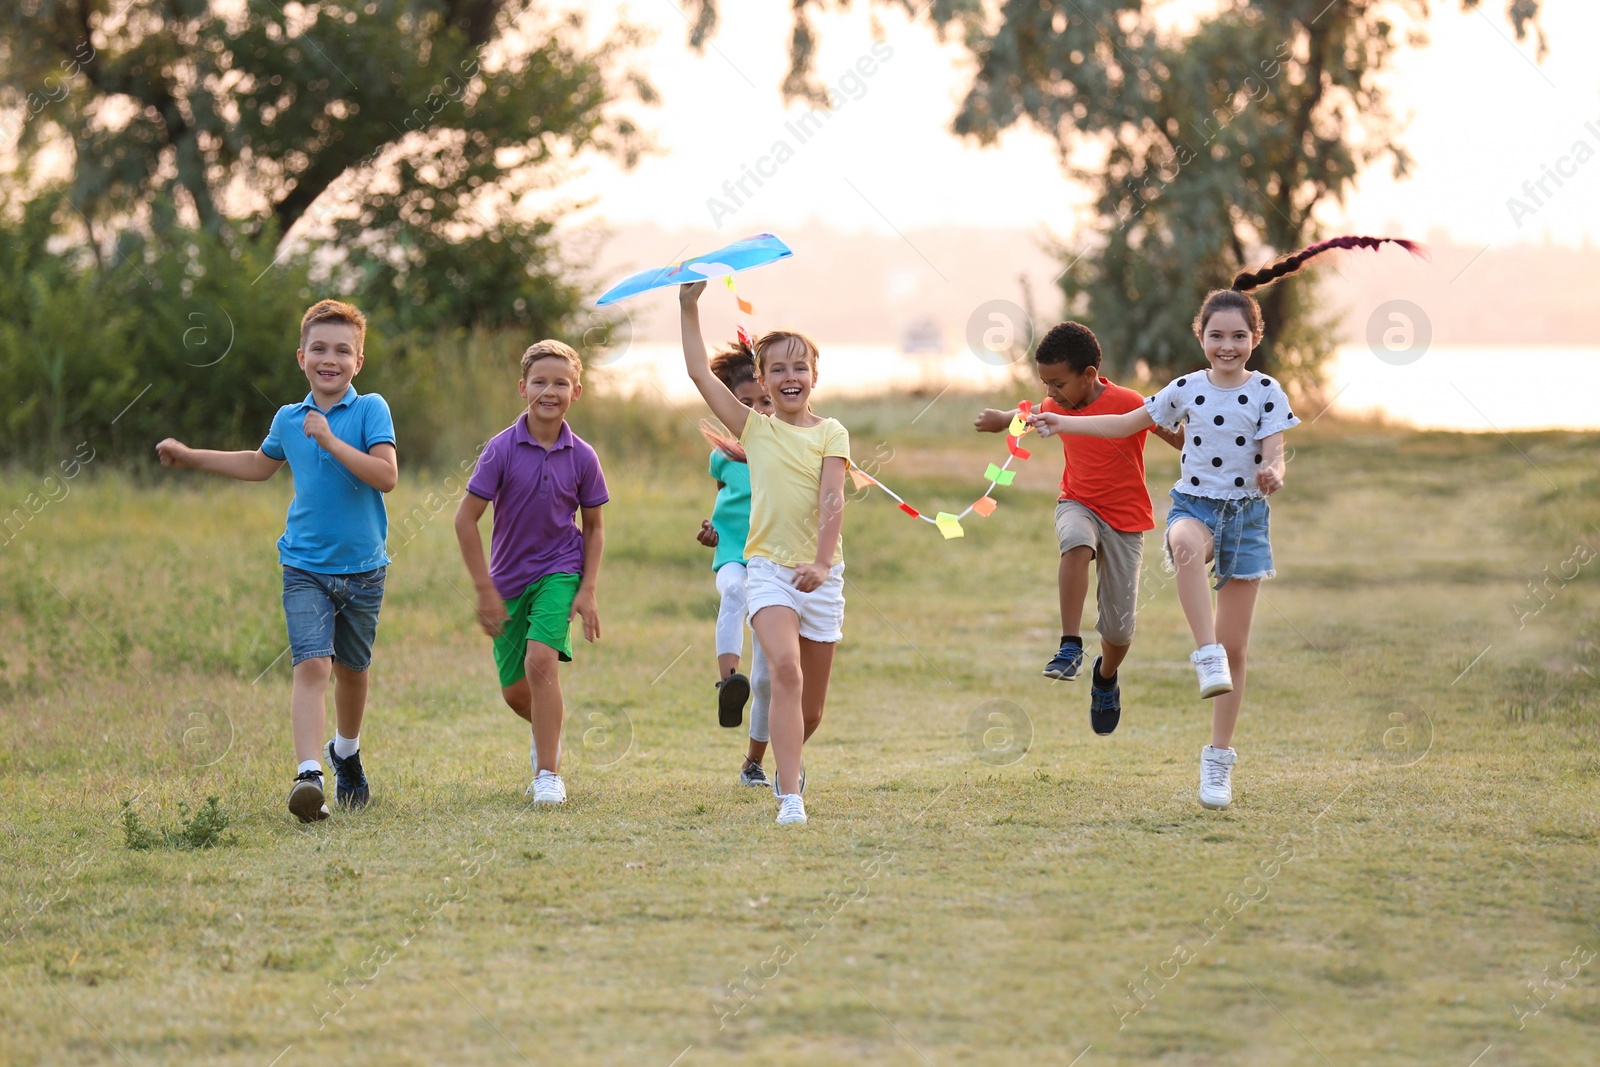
171, 451
1046, 423
689, 295
992, 420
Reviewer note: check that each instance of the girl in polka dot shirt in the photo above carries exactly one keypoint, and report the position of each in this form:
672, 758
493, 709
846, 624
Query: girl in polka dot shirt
1233, 421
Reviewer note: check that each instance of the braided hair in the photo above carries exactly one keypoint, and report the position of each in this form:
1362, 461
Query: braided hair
1238, 297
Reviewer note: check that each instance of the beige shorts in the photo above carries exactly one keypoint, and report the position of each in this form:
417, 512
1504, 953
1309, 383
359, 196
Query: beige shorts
1117, 555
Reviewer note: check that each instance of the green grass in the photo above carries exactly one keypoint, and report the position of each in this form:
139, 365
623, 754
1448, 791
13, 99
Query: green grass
1359, 904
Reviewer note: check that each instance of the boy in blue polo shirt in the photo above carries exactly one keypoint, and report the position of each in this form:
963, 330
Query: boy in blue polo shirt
339, 446
543, 569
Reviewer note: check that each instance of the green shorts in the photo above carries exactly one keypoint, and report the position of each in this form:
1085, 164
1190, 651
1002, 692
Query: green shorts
542, 613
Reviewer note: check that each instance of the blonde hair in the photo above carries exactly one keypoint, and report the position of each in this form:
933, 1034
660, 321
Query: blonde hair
334, 311
549, 349
774, 338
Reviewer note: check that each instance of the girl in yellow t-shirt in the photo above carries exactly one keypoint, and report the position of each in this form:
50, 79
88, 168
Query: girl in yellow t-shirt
795, 555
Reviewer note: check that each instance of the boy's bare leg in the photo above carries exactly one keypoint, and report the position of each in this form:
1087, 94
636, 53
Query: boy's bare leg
778, 630
519, 698
727, 663
548, 711
349, 700
1191, 549
1236, 605
1111, 657
308, 712
1072, 580
816, 665
756, 752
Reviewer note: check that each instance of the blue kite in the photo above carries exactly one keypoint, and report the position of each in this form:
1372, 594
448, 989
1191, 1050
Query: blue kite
755, 251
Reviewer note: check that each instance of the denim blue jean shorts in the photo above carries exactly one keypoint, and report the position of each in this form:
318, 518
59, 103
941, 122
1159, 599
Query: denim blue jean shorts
1240, 537
332, 615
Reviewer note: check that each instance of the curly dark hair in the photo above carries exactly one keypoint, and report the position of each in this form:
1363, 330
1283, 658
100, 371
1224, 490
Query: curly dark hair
735, 364
1071, 343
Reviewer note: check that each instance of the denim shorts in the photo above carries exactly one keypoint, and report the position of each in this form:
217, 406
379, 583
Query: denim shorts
1240, 538
332, 615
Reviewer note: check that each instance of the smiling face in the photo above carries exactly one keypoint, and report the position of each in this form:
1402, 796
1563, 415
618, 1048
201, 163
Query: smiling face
1228, 341
752, 396
330, 355
787, 376
1067, 387
549, 387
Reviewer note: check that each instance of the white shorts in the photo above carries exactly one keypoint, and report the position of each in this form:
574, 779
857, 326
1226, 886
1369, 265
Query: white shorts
821, 611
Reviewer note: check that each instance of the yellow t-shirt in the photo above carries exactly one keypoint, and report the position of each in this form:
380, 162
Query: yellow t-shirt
785, 483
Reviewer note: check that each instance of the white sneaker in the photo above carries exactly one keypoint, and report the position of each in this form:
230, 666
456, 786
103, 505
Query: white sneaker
1216, 777
548, 788
791, 809
1211, 664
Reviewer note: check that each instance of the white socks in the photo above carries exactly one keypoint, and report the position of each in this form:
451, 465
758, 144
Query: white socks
310, 765
345, 747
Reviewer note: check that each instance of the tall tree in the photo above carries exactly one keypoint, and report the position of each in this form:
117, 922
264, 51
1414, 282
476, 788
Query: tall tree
1218, 141
399, 128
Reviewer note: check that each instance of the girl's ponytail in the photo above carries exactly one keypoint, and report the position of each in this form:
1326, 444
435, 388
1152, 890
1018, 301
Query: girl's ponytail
1238, 298
1245, 280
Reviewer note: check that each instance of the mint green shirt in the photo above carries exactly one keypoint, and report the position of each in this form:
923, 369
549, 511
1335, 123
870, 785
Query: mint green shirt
730, 516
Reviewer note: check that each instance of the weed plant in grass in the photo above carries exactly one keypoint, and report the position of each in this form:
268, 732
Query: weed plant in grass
1406, 875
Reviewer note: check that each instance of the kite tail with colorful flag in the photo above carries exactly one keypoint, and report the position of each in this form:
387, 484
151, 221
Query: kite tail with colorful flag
949, 524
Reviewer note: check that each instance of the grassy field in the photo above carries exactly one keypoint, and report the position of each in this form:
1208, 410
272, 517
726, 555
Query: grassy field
1407, 875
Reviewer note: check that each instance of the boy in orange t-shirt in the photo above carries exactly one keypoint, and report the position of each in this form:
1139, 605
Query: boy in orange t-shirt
1101, 515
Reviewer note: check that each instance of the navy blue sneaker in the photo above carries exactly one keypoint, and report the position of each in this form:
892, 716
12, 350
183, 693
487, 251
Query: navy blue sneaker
350, 780
1105, 702
1067, 665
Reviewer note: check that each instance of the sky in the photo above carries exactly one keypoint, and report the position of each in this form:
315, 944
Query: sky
1484, 117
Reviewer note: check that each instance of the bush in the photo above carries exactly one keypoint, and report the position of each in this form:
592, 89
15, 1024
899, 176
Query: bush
203, 829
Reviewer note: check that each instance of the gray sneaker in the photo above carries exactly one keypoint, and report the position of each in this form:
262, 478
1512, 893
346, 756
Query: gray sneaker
799, 792
753, 775
306, 799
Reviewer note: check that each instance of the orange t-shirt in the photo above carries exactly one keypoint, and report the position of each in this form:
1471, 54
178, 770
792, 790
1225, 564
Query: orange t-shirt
1106, 475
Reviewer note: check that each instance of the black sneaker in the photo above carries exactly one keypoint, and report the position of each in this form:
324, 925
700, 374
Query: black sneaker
350, 781
753, 775
732, 692
1067, 664
1105, 702
305, 799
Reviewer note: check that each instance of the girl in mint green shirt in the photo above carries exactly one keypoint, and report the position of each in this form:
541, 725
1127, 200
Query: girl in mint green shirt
726, 531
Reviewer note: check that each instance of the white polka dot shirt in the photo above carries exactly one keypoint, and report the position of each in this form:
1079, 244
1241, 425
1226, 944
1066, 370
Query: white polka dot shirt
1222, 441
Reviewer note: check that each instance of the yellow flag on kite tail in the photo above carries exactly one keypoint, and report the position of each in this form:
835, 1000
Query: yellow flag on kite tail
744, 305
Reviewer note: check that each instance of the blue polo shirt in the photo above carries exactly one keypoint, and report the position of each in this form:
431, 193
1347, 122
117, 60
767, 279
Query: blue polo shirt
337, 523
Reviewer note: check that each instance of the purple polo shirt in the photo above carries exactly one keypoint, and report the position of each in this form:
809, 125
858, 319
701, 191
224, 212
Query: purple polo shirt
536, 496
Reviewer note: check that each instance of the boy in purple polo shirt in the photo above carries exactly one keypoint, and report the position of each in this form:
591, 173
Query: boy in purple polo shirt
542, 569
339, 445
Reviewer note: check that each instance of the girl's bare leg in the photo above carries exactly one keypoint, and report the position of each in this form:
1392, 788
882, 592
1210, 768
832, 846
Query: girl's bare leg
1236, 606
778, 630
1191, 551
816, 665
